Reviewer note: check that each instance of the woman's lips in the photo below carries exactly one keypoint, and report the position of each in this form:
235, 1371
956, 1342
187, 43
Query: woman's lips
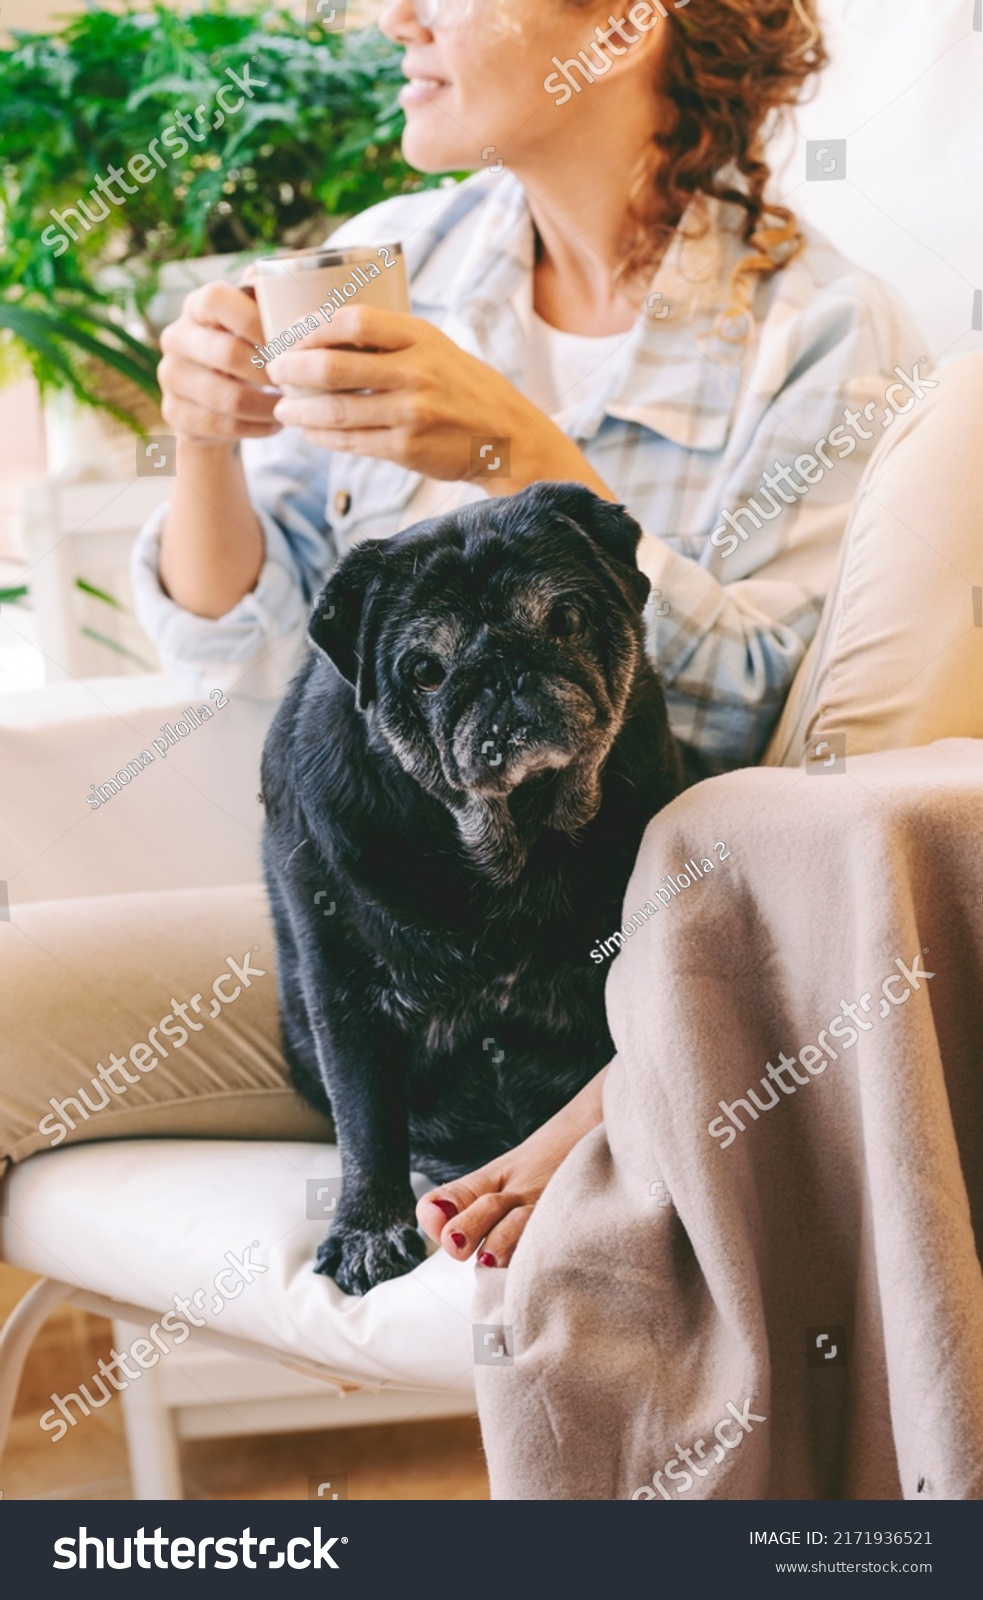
419, 90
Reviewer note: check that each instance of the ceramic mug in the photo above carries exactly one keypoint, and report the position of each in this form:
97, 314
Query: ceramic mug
297, 290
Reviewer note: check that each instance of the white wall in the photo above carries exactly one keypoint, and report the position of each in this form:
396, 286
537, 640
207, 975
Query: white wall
904, 90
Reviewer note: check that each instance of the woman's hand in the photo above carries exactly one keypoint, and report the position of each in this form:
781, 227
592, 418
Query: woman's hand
212, 392
211, 547
429, 402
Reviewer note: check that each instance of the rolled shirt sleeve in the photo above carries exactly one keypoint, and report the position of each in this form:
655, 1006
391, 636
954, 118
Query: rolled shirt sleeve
255, 647
258, 644
726, 653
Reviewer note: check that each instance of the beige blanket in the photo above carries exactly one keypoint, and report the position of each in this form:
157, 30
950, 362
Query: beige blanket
780, 1299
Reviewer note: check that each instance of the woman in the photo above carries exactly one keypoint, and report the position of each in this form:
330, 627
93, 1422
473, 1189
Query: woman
577, 303
613, 298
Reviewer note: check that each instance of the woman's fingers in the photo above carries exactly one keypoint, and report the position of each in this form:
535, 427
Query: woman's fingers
214, 348
210, 386
385, 444
383, 423
313, 366
353, 350
371, 328
215, 391
327, 413
190, 421
201, 403
219, 305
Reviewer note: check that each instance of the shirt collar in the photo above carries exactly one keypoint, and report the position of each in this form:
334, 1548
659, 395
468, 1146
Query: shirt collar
680, 377
674, 374
483, 286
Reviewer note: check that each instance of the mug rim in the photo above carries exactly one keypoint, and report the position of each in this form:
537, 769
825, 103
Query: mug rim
317, 256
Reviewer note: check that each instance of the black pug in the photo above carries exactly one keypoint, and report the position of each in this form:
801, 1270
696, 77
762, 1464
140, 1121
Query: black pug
464, 766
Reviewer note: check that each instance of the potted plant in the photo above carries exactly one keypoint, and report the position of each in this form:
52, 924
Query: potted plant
135, 144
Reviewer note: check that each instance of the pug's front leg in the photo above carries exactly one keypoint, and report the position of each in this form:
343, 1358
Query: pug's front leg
367, 1247
374, 1235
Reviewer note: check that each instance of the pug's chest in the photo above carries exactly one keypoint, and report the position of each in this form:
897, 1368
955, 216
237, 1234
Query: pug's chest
442, 997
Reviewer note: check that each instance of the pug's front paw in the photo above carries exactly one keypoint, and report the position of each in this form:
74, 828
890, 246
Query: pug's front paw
359, 1258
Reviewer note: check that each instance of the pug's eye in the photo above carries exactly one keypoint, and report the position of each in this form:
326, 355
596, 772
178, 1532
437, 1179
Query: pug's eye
427, 674
565, 622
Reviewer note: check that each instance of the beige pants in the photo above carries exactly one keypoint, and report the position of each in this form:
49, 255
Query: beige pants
98, 993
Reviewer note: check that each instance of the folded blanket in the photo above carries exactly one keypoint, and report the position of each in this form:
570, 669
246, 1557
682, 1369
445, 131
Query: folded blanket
759, 1277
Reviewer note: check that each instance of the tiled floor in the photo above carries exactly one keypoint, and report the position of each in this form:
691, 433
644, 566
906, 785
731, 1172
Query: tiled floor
438, 1460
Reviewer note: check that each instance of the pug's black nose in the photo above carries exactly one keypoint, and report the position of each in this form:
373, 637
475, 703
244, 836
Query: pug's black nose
498, 677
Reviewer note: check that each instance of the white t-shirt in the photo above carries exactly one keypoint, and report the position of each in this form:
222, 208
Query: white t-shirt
560, 369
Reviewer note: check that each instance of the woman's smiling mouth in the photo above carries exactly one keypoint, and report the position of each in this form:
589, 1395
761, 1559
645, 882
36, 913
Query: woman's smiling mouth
418, 90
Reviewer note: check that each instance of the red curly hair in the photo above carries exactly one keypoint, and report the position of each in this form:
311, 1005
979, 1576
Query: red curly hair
731, 68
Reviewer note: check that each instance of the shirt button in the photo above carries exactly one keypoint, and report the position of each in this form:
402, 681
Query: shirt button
342, 502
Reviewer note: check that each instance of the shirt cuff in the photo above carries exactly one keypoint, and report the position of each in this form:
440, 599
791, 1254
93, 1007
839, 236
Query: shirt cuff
681, 608
254, 648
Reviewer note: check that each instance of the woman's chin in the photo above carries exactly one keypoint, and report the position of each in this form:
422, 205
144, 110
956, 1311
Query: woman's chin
427, 148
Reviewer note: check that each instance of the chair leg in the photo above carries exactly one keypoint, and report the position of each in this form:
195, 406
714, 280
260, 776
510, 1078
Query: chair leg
18, 1335
151, 1436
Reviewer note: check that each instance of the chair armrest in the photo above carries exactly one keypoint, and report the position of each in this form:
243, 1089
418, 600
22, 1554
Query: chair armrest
186, 817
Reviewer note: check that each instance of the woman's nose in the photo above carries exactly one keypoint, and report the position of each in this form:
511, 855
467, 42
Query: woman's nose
401, 23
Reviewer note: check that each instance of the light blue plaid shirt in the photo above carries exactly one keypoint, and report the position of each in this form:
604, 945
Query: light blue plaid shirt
681, 425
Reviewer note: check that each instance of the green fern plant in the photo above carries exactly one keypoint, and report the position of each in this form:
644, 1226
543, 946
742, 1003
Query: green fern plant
319, 135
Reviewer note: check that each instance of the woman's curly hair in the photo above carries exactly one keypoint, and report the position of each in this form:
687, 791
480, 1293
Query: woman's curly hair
730, 69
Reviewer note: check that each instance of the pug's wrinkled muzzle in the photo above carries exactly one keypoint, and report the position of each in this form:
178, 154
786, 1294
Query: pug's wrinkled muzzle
515, 731
500, 764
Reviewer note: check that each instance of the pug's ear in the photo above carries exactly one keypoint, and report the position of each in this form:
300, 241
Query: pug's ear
340, 624
609, 526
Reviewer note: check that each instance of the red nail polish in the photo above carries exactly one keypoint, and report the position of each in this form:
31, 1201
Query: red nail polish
486, 1258
447, 1207
459, 1240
